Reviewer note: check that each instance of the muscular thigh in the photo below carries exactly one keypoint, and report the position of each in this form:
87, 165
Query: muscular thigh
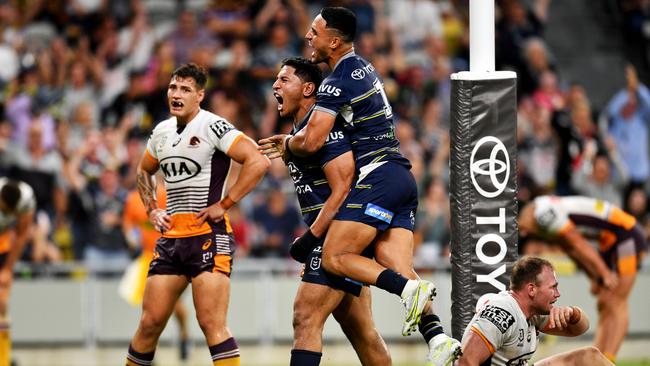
211, 294
354, 313
161, 293
384, 198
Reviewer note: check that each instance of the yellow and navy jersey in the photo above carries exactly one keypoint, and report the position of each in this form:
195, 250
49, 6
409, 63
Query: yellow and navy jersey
595, 219
355, 91
196, 168
502, 325
26, 203
307, 173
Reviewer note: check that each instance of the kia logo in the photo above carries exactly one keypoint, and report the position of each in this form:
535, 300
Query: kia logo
494, 167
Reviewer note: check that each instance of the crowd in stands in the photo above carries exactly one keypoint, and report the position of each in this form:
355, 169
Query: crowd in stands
83, 83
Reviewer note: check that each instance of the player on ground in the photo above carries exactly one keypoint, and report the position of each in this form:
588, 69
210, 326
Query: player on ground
194, 149
322, 182
141, 234
17, 205
504, 329
569, 221
382, 202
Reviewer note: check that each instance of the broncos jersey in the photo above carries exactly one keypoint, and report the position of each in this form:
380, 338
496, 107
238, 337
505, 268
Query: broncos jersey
307, 173
355, 91
26, 203
510, 337
195, 167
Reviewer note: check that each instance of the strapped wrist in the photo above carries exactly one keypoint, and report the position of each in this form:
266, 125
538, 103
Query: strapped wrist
227, 202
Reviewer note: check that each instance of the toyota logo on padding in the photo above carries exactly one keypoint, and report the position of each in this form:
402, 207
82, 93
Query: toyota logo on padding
494, 167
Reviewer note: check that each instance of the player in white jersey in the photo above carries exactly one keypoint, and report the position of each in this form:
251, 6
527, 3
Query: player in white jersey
571, 222
194, 150
17, 205
504, 330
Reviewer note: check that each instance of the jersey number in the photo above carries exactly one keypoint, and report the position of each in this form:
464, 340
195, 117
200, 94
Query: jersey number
380, 89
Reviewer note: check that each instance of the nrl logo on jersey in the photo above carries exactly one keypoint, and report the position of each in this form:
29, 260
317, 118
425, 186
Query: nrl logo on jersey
179, 168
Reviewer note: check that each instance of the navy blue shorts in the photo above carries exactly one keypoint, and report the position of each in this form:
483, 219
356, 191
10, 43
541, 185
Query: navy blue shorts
190, 256
387, 197
314, 273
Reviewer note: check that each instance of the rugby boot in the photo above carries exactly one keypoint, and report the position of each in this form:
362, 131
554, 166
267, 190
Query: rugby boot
443, 351
414, 297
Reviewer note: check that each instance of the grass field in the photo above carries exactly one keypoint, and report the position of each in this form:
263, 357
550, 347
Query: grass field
633, 353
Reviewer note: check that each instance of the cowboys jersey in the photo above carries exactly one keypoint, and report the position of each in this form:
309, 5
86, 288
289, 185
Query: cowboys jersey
355, 91
501, 324
307, 173
195, 167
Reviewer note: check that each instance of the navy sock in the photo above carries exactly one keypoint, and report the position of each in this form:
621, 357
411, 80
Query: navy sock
430, 326
301, 357
137, 358
391, 281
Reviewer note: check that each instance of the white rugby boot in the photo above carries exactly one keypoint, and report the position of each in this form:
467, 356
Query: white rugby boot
443, 351
415, 295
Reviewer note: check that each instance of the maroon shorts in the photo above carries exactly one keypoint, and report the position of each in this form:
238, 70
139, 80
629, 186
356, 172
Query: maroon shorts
190, 256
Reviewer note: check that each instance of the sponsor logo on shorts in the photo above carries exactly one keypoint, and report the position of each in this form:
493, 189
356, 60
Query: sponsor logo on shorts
379, 213
207, 244
501, 318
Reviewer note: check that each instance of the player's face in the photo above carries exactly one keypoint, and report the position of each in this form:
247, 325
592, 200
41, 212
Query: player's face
183, 97
319, 38
288, 90
547, 292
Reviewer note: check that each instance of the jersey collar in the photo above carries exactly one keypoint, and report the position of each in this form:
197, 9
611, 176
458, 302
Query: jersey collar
347, 55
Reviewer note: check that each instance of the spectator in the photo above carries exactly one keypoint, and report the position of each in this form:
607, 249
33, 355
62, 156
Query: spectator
279, 224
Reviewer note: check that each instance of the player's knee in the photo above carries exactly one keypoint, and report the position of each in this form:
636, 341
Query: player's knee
210, 325
305, 320
332, 263
151, 325
589, 353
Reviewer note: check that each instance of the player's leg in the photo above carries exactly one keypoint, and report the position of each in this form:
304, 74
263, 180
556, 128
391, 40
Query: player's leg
344, 243
160, 295
180, 313
5, 335
394, 249
211, 295
583, 356
311, 307
354, 314
613, 316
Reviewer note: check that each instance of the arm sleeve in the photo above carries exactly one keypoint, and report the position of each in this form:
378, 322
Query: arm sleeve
331, 96
222, 134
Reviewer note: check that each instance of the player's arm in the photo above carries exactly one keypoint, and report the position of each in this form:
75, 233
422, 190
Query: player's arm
577, 247
253, 167
311, 138
339, 173
146, 184
567, 321
22, 230
476, 349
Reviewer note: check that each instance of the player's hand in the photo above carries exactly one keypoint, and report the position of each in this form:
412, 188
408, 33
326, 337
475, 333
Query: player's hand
559, 317
274, 147
160, 220
214, 213
610, 280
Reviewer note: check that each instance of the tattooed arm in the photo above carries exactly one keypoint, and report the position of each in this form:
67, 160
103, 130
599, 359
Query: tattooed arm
147, 188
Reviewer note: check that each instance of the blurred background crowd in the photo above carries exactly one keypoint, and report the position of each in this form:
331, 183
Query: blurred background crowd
83, 83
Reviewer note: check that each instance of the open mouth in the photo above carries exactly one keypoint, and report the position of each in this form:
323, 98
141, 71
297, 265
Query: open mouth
176, 104
280, 100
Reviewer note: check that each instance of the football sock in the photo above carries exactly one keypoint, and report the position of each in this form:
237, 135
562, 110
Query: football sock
391, 281
134, 358
430, 326
301, 357
5, 343
225, 353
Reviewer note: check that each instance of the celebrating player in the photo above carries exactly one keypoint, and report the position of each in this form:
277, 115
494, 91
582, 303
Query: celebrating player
322, 182
194, 149
505, 327
612, 269
382, 202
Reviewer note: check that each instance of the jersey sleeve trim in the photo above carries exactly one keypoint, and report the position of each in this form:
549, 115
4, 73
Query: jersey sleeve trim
234, 142
148, 155
487, 343
326, 110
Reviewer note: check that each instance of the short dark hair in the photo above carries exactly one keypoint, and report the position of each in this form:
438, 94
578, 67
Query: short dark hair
307, 71
193, 71
10, 194
342, 19
526, 270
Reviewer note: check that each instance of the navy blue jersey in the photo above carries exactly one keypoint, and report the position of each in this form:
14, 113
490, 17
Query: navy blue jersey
355, 91
307, 172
